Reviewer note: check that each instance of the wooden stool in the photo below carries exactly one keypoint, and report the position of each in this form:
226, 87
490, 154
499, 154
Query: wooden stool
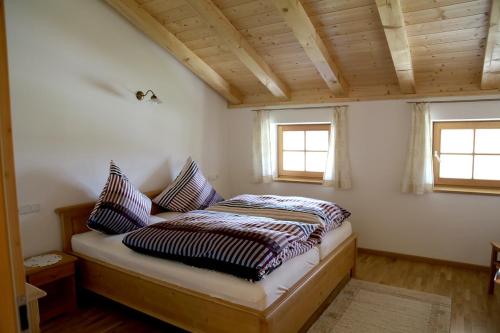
495, 266
33, 294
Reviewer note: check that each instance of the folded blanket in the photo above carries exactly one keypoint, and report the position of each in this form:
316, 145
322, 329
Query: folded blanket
327, 215
246, 246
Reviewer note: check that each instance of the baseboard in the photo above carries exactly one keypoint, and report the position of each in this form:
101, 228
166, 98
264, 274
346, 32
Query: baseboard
424, 259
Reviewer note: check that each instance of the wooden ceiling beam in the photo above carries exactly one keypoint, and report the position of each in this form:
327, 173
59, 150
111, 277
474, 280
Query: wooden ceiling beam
490, 78
239, 46
297, 19
392, 20
158, 33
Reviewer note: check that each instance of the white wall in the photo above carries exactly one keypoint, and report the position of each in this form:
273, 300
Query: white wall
447, 226
74, 67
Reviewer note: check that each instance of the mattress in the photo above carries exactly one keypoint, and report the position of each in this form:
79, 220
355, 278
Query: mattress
258, 295
334, 238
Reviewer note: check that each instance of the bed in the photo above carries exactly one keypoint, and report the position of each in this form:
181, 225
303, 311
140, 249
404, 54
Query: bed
206, 301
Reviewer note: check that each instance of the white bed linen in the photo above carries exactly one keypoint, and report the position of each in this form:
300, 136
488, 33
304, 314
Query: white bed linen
258, 295
334, 238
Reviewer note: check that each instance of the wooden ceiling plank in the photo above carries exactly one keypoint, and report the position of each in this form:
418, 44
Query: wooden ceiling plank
316, 7
158, 33
241, 11
447, 25
447, 37
160, 5
223, 28
491, 66
452, 47
392, 20
442, 13
174, 15
305, 32
415, 6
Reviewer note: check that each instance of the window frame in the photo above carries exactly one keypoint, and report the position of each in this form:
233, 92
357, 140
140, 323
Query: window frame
307, 176
436, 152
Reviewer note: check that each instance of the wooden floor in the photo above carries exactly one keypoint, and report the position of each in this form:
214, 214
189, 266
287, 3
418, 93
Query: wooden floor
472, 309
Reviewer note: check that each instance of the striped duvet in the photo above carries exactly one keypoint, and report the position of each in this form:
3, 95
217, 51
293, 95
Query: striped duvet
246, 246
327, 215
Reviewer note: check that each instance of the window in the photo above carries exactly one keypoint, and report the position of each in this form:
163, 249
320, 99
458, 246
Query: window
467, 153
302, 151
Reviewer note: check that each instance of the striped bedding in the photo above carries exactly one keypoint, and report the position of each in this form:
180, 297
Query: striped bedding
121, 207
327, 215
245, 246
189, 191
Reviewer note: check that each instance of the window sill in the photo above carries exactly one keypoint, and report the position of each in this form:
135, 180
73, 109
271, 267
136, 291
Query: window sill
298, 180
466, 190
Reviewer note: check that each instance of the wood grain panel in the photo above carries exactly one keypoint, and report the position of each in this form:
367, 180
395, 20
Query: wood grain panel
442, 36
305, 32
447, 12
152, 28
12, 284
226, 32
491, 65
391, 17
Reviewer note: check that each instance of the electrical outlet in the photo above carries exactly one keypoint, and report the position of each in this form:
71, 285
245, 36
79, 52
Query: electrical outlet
26, 209
29, 209
35, 208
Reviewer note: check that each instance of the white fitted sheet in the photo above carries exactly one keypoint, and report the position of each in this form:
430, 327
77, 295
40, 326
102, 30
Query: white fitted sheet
334, 238
258, 295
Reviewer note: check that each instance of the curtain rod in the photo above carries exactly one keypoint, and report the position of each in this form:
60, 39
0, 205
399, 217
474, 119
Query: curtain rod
299, 108
458, 101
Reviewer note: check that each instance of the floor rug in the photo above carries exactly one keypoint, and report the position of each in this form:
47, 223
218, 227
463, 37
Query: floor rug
366, 307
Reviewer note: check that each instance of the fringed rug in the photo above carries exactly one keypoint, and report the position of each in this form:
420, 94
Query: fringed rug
366, 307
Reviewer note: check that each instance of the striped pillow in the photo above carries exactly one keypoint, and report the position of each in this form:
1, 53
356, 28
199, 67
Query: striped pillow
120, 208
189, 191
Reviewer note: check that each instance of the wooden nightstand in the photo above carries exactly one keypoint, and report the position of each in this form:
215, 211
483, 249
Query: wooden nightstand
58, 281
495, 266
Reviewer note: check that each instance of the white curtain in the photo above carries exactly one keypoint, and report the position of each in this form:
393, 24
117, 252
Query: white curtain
418, 177
338, 165
262, 150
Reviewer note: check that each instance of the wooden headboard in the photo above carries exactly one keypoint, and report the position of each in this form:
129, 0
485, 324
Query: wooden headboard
74, 219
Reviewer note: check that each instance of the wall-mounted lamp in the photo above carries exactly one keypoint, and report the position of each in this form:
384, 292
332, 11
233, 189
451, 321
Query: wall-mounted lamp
154, 99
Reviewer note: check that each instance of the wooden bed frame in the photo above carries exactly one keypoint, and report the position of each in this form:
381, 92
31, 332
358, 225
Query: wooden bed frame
198, 312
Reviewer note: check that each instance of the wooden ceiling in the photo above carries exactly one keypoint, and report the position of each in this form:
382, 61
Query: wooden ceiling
267, 52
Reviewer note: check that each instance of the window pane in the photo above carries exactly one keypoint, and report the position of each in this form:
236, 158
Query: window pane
487, 167
488, 141
293, 161
317, 140
455, 166
293, 140
457, 140
316, 161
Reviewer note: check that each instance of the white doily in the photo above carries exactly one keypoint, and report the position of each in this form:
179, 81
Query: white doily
43, 260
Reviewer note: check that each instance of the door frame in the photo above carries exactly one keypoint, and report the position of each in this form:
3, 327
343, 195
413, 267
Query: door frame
12, 279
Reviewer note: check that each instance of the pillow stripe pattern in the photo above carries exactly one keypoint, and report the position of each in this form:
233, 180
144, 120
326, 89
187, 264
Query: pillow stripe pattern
189, 191
121, 207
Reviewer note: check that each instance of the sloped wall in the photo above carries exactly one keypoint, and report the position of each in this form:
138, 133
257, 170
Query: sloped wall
74, 69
